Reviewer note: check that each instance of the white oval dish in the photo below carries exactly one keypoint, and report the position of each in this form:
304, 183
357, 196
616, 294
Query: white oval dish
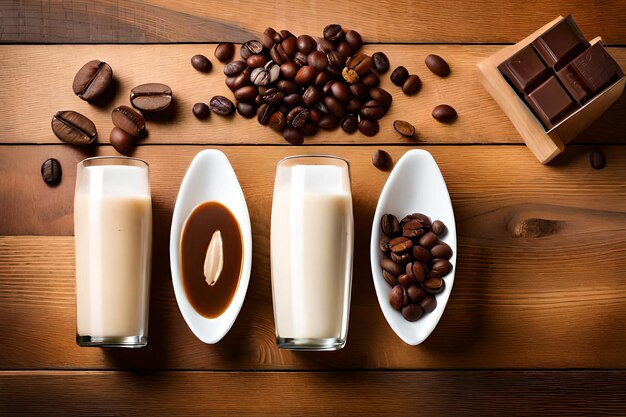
210, 177
414, 186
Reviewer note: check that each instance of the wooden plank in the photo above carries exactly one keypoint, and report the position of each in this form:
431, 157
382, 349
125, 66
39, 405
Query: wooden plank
541, 261
493, 393
212, 21
28, 88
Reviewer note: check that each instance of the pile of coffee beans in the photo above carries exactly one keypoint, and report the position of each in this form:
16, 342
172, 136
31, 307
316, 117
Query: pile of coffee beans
414, 262
299, 84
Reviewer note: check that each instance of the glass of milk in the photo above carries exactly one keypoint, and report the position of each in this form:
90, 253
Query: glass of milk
312, 237
113, 237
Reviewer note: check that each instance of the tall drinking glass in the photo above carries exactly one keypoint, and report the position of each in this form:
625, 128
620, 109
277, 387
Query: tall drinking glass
113, 237
312, 237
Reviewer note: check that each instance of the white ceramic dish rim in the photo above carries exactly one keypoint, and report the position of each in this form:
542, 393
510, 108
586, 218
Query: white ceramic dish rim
210, 330
412, 333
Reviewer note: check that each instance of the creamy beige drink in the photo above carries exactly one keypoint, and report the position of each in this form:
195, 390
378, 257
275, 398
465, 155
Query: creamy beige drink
113, 235
311, 252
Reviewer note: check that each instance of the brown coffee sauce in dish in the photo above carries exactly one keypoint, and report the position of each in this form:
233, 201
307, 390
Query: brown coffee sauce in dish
200, 227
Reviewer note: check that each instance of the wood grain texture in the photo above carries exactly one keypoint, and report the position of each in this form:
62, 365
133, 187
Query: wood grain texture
28, 88
469, 393
489, 21
539, 277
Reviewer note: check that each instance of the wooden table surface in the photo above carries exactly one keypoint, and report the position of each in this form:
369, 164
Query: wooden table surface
536, 323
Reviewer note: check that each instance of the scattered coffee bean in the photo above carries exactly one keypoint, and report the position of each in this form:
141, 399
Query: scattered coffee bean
250, 48
441, 266
151, 97
416, 292
438, 227
293, 135
73, 128
404, 128
306, 44
298, 116
354, 40
121, 140
412, 85
398, 297
381, 160
390, 225
437, 65
277, 121
360, 63
92, 80
264, 113
368, 127
434, 284
381, 62
428, 303
412, 312
444, 113
224, 52
201, 111
392, 267
441, 250
247, 93
129, 121
246, 110
221, 105
201, 63
51, 171
256, 60
234, 68
333, 32
597, 159
399, 76
428, 240
349, 123
391, 280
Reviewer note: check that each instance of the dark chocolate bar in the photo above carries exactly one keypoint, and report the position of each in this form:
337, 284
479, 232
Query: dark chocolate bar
525, 70
561, 44
551, 103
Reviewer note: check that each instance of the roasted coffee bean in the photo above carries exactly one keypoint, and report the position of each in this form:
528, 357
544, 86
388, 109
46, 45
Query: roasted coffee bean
437, 65
278, 54
424, 219
597, 159
390, 266
380, 95
129, 120
397, 297
428, 303
404, 128
340, 91
300, 60
316, 116
286, 34
384, 245
221, 105
256, 60
326, 88
416, 293
247, 93
321, 79
438, 227
298, 116
309, 129
405, 280
306, 44
412, 85
289, 70
247, 110
360, 63
293, 135
334, 106
428, 240
73, 128
201, 111
92, 80
370, 79
277, 121
306, 75
345, 49
267, 39
372, 110
238, 81
234, 68
333, 32
289, 46
400, 258
250, 48
413, 229
259, 76
350, 76
311, 96
272, 96
354, 39
441, 266
441, 250
390, 225
400, 244
381, 62
422, 255
382, 161
201, 63
390, 279
434, 285
288, 87
412, 312
418, 270
444, 113
273, 69
399, 76
51, 171
318, 60
368, 127
264, 113
349, 123
151, 97
336, 61
328, 122
122, 141
324, 45
354, 106
224, 52
360, 91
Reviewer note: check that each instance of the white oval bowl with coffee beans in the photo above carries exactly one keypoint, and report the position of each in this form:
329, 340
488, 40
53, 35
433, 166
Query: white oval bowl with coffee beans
413, 247
210, 183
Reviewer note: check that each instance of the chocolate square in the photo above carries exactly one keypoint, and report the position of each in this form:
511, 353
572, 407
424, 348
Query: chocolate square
551, 103
561, 43
524, 70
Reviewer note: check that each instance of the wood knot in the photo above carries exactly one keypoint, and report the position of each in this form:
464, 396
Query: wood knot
534, 228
